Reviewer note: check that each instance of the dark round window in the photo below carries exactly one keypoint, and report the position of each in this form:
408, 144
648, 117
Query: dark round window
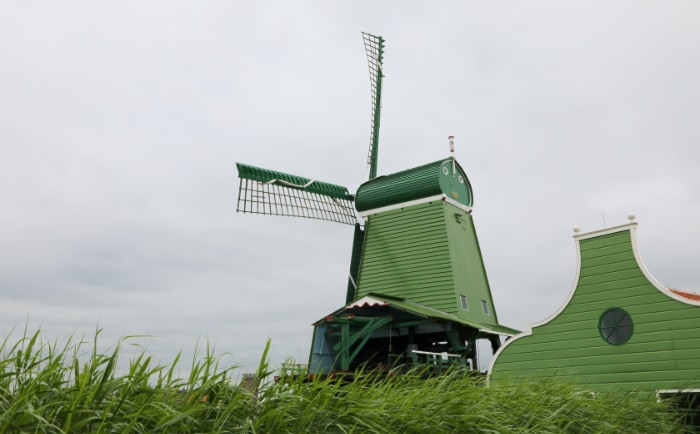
615, 326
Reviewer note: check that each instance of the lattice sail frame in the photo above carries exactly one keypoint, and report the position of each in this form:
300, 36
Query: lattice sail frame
263, 191
374, 45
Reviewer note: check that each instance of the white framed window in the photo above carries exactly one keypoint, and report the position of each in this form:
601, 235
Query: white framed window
463, 301
485, 307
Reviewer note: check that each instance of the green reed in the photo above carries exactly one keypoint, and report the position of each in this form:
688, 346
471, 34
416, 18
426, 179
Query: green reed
76, 388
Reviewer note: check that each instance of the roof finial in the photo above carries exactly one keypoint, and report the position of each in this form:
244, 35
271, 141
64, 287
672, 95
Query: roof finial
452, 153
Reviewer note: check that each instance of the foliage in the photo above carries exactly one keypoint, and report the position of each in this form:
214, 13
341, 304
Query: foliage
47, 388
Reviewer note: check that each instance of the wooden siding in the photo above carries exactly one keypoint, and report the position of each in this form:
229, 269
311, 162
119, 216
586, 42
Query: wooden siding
663, 352
467, 264
427, 253
406, 255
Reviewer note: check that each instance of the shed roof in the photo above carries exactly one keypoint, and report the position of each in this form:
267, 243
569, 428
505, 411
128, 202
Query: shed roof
374, 299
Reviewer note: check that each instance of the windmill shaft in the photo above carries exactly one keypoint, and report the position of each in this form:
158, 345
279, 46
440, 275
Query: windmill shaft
375, 127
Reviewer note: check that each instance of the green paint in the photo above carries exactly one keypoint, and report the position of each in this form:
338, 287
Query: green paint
428, 253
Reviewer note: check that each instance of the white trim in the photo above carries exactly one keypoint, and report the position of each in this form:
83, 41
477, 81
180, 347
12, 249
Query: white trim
549, 318
660, 391
289, 184
366, 300
459, 205
441, 197
353, 281
673, 391
428, 353
400, 205
652, 279
605, 231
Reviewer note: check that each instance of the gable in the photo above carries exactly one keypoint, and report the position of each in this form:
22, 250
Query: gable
663, 348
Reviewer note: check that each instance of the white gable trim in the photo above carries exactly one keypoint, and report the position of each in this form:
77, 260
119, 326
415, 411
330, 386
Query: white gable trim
605, 231
653, 280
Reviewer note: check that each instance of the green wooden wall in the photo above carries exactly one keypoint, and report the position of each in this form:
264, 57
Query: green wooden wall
662, 353
427, 253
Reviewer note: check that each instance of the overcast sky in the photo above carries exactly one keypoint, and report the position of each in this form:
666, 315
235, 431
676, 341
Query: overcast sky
121, 123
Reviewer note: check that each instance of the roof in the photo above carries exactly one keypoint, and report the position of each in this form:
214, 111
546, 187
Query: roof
267, 176
439, 178
689, 295
374, 299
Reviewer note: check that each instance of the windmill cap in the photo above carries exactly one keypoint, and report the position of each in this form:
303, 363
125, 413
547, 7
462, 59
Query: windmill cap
429, 181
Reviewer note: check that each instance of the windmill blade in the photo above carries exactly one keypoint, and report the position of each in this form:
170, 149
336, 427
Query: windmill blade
374, 45
263, 191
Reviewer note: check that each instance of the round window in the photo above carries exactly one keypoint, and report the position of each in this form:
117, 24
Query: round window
615, 326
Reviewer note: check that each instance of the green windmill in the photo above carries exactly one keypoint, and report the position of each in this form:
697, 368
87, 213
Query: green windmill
417, 292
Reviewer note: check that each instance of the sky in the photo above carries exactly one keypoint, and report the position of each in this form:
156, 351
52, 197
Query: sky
121, 123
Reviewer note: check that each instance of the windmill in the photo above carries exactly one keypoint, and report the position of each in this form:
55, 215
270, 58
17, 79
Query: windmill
417, 289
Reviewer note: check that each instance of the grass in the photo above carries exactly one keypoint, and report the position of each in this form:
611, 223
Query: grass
74, 388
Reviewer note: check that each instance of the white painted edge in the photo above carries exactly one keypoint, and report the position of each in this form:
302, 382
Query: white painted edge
673, 391
366, 300
461, 206
442, 197
653, 280
605, 231
528, 332
632, 227
660, 391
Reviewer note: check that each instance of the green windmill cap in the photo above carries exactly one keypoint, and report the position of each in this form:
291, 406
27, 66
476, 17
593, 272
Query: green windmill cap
443, 179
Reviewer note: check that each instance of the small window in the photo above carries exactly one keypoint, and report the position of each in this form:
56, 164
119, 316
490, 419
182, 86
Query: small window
615, 326
463, 300
485, 307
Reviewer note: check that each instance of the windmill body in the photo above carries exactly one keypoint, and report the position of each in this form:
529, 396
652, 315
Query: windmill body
417, 290
420, 294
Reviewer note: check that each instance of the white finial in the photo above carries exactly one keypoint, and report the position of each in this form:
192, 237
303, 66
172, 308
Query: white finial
577, 229
452, 154
631, 217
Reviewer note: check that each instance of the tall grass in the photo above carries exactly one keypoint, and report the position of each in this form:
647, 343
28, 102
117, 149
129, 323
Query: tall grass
74, 388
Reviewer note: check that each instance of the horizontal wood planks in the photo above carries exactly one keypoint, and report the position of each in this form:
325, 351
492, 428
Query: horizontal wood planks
427, 253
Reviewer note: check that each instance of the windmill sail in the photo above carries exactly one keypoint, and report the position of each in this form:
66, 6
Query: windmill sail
263, 191
374, 45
